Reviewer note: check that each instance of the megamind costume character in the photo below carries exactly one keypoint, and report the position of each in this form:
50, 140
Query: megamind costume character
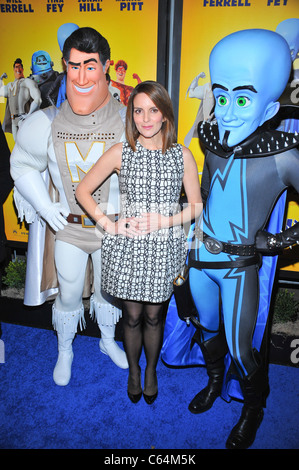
248, 166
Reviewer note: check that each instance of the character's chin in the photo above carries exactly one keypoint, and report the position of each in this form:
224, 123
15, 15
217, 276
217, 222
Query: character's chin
224, 141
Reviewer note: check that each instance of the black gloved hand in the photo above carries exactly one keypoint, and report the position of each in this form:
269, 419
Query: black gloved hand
269, 243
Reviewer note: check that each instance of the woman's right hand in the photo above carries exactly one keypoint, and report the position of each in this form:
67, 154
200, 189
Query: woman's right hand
127, 227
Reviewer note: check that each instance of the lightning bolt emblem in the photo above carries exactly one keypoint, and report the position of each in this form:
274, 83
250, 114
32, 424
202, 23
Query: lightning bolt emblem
226, 214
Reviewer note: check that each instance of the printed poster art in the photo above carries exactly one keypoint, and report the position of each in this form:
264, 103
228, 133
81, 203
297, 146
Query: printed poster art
212, 20
32, 34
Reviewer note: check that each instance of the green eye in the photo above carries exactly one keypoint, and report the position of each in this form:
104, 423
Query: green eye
242, 101
222, 101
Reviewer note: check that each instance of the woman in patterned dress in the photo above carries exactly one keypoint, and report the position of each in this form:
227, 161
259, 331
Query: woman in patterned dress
145, 249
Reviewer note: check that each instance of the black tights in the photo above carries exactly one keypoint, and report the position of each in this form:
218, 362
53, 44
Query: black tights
143, 325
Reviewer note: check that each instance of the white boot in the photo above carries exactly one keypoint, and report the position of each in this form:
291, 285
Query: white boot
107, 315
65, 323
110, 347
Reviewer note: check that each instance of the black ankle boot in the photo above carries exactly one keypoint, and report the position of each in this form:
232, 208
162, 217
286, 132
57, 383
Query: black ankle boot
243, 433
255, 388
214, 351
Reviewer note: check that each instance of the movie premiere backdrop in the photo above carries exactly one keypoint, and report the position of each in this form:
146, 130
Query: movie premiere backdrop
204, 23
28, 26
131, 28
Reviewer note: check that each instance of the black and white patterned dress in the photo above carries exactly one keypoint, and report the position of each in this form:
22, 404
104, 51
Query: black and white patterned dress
143, 268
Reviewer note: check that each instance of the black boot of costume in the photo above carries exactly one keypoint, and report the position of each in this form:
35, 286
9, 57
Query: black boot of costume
243, 433
213, 351
255, 389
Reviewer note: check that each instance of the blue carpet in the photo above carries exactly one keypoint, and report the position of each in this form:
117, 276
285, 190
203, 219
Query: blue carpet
93, 411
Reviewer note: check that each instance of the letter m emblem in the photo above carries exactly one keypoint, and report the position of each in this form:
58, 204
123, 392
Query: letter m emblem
76, 161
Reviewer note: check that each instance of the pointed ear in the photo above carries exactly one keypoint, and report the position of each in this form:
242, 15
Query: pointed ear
270, 111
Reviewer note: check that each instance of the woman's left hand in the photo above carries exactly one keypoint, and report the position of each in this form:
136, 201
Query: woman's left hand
150, 222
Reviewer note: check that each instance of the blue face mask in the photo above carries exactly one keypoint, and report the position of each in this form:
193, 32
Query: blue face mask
247, 78
239, 112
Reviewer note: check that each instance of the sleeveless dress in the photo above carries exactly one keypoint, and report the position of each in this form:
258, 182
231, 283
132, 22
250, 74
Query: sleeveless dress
143, 268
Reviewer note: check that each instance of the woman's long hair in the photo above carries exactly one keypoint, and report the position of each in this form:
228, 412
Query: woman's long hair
160, 97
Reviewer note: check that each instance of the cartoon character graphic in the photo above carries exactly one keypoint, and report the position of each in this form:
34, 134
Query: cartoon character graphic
23, 98
125, 90
43, 74
205, 110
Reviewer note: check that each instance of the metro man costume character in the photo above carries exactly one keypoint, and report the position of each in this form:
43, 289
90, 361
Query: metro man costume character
37, 292
68, 142
247, 168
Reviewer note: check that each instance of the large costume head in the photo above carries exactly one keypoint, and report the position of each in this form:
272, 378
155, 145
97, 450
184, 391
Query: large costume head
249, 71
87, 56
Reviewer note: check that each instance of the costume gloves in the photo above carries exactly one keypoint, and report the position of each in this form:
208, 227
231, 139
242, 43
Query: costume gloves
269, 243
